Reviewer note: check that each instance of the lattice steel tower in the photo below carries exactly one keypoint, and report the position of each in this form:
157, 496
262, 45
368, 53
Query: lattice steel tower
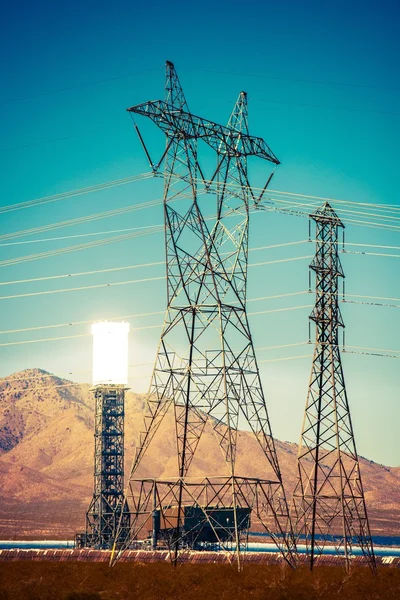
328, 502
206, 370
104, 513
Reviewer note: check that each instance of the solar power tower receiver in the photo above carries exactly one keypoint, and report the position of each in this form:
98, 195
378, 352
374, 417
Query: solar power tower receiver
206, 376
107, 509
328, 501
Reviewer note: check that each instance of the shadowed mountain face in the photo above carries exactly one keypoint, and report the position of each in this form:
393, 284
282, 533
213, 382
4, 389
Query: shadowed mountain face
46, 458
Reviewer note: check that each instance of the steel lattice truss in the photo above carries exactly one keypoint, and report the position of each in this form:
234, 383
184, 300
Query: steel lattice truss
104, 514
328, 501
206, 369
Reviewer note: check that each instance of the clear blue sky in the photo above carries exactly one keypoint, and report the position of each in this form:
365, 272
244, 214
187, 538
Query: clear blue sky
323, 87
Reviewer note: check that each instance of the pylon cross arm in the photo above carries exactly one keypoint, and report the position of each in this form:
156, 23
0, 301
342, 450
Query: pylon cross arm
221, 138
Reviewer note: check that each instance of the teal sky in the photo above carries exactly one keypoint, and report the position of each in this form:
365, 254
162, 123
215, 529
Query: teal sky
323, 86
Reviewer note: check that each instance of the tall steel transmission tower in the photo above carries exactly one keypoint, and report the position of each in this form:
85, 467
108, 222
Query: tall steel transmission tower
329, 504
206, 370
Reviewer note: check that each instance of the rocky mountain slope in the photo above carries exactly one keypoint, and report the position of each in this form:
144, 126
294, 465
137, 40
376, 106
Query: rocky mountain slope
46, 458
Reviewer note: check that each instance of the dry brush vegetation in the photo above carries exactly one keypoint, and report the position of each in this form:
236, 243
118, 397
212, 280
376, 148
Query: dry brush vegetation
159, 581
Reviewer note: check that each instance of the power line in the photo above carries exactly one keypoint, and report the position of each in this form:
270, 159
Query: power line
82, 273
79, 86
212, 71
371, 303
77, 323
77, 192
148, 230
119, 283
326, 107
374, 349
311, 205
119, 77
124, 210
96, 286
281, 260
356, 222
68, 337
360, 244
81, 288
147, 364
274, 310
315, 200
108, 231
136, 315
281, 346
79, 247
335, 200
269, 360
150, 174
80, 220
369, 354
259, 248
113, 269
79, 235
162, 277
384, 254
292, 79
135, 328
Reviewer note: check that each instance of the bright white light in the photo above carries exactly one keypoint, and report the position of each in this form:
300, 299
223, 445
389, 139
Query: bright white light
110, 353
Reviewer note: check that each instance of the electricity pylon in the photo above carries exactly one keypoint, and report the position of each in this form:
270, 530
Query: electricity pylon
206, 370
328, 501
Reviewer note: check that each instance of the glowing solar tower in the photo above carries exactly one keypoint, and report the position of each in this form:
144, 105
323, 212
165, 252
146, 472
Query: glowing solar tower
110, 375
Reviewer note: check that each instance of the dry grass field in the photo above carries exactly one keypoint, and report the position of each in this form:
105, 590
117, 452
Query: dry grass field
159, 581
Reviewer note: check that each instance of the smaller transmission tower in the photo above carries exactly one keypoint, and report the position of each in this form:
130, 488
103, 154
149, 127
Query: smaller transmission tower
109, 377
328, 500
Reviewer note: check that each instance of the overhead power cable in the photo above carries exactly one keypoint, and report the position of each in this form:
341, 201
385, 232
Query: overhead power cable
141, 315
77, 192
321, 199
136, 315
60, 238
80, 85
355, 222
68, 337
294, 80
122, 268
384, 254
77, 248
374, 352
327, 107
311, 200
158, 326
88, 322
145, 231
81, 288
80, 220
150, 227
82, 273
158, 263
263, 76
269, 360
130, 281
230, 185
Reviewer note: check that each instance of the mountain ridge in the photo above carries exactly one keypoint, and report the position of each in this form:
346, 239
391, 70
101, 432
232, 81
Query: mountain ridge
46, 457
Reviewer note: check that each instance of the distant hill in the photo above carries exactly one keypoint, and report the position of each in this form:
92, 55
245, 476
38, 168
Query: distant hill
46, 458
